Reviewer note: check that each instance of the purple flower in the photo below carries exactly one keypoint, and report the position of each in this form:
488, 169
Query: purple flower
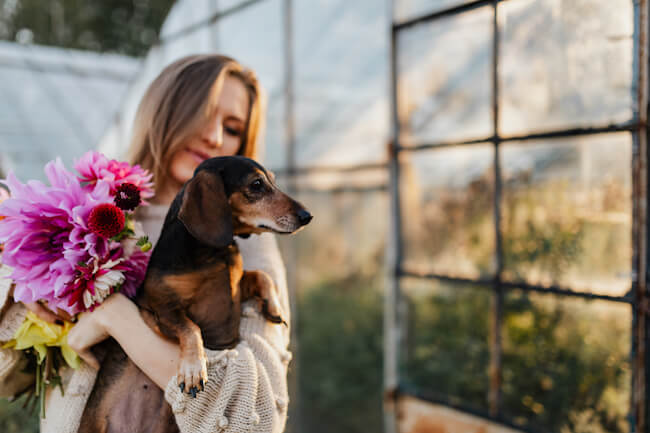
94, 166
134, 269
45, 233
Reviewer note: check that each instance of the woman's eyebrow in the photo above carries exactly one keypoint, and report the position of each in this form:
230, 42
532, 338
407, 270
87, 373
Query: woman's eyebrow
235, 117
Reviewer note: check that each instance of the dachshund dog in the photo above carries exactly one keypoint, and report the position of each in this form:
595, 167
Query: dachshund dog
193, 289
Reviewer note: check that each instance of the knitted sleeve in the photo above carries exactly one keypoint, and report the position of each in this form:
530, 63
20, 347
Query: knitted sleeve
247, 386
12, 379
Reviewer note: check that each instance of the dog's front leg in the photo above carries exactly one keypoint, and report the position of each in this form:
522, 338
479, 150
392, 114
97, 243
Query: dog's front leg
192, 369
258, 284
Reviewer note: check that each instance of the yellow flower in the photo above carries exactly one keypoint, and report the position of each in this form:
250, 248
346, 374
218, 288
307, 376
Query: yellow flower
38, 334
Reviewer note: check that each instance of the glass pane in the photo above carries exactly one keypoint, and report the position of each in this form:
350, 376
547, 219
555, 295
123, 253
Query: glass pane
341, 82
27, 162
85, 109
375, 178
33, 103
578, 74
349, 230
446, 349
566, 363
567, 212
186, 13
447, 199
183, 15
339, 262
262, 22
406, 9
444, 78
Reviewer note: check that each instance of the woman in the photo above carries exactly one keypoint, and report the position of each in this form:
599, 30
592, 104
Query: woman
198, 107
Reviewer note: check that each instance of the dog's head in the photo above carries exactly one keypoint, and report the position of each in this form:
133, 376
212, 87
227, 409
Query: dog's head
234, 195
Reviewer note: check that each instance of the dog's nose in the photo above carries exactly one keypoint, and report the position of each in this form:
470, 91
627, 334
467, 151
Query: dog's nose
304, 217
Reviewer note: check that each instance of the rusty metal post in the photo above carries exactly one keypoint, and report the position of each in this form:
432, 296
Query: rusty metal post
496, 311
291, 254
393, 254
640, 379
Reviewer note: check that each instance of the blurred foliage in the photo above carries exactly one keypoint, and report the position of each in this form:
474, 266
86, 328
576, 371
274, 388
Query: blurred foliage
446, 347
340, 351
117, 26
566, 363
556, 232
450, 230
16, 418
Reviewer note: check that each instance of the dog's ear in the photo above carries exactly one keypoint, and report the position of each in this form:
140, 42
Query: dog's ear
205, 211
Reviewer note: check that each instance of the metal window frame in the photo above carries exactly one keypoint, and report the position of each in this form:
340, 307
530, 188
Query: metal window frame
638, 297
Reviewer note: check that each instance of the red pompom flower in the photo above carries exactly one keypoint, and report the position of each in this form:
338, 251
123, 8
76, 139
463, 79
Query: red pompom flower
127, 196
106, 220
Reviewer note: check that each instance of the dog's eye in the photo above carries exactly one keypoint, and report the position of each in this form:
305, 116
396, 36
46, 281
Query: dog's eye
257, 185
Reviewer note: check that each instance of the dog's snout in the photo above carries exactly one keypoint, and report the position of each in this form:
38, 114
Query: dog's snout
304, 217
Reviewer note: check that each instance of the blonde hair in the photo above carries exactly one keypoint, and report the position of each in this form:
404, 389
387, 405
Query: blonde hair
179, 100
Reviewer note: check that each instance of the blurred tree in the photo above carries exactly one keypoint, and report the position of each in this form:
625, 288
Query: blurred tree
565, 370
341, 357
117, 26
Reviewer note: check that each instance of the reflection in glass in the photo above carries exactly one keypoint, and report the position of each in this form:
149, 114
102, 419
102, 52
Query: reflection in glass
446, 345
346, 239
447, 199
566, 363
578, 74
567, 212
358, 179
341, 81
444, 78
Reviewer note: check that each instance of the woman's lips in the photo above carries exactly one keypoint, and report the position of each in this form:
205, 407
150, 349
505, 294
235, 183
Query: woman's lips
198, 155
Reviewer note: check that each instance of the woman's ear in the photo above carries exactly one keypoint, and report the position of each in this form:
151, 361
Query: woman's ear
205, 211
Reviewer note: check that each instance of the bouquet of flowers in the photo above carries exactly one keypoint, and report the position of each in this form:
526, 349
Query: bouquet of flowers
71, 244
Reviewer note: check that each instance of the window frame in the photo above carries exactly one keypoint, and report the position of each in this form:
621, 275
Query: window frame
637, 298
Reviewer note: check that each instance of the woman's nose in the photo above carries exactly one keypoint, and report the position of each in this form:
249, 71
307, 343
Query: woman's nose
213, 135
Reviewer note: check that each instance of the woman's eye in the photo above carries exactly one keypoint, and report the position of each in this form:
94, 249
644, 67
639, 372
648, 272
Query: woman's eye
232, 131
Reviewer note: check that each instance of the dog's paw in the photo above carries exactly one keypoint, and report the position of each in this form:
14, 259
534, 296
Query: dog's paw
192, 374
272, 311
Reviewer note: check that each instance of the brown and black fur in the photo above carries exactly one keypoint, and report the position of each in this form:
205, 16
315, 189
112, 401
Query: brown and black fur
193, 289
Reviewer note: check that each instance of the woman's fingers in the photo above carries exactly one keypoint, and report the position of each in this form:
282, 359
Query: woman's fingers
42, 312
87, 332
64, 315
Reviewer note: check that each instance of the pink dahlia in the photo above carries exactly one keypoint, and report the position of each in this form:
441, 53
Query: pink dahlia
45, 233
97, 278
94, 166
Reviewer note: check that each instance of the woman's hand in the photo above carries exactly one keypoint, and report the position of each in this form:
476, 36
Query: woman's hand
91, 328
42, 311
120, 318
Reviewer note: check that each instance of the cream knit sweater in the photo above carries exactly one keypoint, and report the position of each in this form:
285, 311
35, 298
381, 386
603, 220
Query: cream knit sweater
247, 386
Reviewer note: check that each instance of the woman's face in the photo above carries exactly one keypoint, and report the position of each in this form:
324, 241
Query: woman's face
221, 135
